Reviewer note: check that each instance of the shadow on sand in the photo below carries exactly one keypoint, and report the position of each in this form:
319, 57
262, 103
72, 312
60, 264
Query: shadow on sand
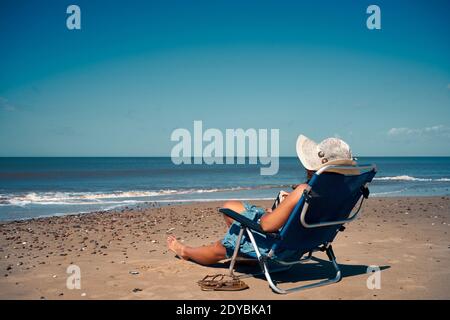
314, 269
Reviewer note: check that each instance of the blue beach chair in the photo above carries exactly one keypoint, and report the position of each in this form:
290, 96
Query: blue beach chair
334, 196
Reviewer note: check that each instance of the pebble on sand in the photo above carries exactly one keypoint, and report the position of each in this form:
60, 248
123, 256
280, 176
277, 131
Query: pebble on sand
170, 230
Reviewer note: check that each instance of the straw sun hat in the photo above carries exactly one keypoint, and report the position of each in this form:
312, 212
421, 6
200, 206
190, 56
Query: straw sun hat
331, 151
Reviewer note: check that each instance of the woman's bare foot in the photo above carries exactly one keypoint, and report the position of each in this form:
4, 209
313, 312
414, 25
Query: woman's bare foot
178, 248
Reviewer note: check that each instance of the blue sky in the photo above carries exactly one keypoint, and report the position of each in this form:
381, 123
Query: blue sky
137, 70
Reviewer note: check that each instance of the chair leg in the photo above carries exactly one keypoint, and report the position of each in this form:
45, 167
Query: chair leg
265, 270
337, 277
272, 271
234, 259
235, 252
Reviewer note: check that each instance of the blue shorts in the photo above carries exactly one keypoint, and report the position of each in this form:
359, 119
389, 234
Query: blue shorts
254, 213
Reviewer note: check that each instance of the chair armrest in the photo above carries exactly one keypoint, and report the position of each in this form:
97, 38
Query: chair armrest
248, 223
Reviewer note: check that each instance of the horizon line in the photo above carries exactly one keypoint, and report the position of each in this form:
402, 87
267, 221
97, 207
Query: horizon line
246, 157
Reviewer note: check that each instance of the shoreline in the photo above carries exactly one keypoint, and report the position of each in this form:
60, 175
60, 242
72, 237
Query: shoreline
122, 254
181, 202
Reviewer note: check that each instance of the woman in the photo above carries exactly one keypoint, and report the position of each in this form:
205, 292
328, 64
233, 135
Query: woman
313, 156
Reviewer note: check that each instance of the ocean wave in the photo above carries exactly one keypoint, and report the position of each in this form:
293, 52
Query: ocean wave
409, 178
115, 197
387, 193
120, 197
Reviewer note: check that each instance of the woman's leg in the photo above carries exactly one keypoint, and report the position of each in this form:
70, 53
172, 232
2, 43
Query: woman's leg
205, 255
208, 254
236, 206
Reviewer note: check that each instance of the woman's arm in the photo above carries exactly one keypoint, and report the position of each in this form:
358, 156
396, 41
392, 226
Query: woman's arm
273, 221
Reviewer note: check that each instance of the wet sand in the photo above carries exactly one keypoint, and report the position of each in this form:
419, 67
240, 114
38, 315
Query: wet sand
123, 255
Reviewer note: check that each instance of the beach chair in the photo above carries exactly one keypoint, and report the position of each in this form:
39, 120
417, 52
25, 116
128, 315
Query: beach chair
334, 196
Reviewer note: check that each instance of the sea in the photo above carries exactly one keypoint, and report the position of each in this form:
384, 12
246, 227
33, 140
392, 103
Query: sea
37, 187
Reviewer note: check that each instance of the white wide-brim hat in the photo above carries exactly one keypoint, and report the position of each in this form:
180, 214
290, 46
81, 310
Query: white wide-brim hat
331, 151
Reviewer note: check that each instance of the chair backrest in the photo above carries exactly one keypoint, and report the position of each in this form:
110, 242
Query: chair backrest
330, 197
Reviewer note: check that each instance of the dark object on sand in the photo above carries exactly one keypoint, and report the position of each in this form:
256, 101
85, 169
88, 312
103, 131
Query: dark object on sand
222, 282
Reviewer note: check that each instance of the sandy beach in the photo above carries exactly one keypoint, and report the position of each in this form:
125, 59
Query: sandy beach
123, 254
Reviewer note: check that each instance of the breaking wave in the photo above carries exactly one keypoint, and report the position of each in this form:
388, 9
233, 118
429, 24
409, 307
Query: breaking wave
409, 178
115, 197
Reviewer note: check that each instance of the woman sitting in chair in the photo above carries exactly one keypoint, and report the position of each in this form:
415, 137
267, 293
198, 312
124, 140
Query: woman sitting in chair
313, 156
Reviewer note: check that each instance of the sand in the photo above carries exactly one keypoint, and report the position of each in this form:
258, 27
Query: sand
123, 254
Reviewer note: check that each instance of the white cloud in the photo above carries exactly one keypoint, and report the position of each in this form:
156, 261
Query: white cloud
437, 131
